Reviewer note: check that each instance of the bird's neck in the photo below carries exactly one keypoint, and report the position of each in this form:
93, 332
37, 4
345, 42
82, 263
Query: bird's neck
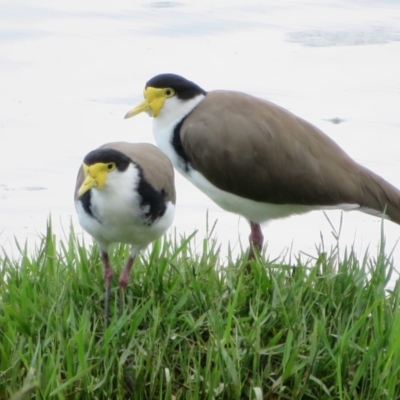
171, 115
173, 111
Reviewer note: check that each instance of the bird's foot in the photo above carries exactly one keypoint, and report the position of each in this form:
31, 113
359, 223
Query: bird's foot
256, 240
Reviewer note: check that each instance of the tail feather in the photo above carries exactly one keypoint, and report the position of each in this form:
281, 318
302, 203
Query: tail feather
380, 197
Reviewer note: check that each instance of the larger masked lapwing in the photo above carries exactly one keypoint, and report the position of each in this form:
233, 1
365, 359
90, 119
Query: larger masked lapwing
256, 159
125, 193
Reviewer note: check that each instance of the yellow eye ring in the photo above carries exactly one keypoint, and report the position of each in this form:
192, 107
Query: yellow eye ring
169, 92
111, 167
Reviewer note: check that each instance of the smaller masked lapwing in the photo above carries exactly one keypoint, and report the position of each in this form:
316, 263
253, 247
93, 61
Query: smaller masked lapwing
255, 158
125, 193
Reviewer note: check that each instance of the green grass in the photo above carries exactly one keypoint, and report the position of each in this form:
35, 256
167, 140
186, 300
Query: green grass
195, 327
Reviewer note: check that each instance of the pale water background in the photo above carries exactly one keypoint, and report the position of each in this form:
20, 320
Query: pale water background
70, 70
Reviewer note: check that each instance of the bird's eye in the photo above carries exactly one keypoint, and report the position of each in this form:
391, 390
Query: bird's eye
111, 167
169, 92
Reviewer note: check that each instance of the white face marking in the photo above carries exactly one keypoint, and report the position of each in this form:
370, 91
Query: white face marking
117, 206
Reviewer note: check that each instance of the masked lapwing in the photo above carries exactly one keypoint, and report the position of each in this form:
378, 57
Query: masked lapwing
255, 158
125, 193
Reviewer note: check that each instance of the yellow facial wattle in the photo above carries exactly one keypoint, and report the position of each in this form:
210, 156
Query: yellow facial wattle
153, 101
95, 176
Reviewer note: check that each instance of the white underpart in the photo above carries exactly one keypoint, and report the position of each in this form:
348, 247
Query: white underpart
163, 128
117, 206
254, 211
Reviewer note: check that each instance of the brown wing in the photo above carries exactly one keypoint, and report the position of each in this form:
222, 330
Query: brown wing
260, 151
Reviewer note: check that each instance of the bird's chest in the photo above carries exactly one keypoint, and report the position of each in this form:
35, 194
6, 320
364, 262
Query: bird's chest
116, 208
115, 218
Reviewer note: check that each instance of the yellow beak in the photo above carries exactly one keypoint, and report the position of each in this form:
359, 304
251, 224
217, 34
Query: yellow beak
95, 176
153, 101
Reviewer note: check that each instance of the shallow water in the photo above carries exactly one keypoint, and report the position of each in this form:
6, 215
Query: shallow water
69, 72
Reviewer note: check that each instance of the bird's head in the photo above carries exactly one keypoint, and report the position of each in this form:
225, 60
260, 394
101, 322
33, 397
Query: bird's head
99, 165
163, 87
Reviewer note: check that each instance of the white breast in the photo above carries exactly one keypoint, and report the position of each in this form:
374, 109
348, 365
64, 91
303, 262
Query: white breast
118, 217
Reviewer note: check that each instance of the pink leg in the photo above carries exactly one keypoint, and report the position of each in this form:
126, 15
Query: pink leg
123, 282
256, 239
108, 275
